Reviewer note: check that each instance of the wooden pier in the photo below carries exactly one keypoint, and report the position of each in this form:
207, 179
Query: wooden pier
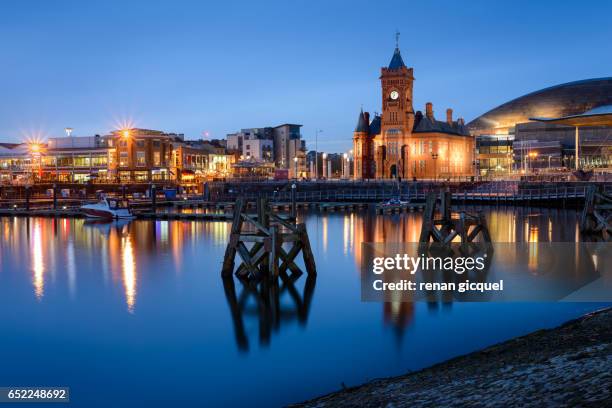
266, 233
596, 217
445, 229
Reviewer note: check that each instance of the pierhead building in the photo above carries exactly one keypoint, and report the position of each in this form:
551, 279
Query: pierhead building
401, 143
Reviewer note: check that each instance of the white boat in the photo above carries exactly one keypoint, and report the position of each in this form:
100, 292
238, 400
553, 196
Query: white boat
108, 208
393, 202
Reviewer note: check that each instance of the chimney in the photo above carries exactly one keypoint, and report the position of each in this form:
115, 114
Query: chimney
449, 116
429, 110
460, 121
366, 115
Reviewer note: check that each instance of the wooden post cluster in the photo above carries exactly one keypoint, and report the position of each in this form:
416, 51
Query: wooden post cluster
597, 212
446, 228
269, 235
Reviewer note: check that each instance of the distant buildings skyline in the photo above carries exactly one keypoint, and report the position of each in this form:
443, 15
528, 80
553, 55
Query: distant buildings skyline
219, 70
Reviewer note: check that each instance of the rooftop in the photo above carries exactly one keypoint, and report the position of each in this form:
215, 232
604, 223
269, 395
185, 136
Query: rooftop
396, 61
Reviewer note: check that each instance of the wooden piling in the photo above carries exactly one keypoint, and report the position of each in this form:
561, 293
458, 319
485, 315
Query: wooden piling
266, 258
443, 230
230, 251
596, 216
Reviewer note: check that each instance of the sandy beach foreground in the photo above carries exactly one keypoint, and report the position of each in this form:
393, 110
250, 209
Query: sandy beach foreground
570, 365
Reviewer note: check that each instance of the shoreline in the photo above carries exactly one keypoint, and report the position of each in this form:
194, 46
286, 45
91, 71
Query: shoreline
567, 365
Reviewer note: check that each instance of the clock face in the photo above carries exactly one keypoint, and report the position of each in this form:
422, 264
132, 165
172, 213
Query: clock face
394, 95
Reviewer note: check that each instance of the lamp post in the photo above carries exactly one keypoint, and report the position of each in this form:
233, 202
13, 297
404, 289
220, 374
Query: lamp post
532, 156
345, 165
295, 160
317, 153
35, 152
549, 156
324, 166
68, 131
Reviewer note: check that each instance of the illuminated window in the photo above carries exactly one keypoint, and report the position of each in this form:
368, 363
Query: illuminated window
123, 159
156, 158
140, 158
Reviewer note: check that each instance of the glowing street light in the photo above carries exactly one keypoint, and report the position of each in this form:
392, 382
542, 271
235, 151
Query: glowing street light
317, 153
125, 133
532, 156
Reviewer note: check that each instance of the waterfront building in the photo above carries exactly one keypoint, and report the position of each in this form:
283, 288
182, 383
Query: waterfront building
545, 146
494, 154
253, 169
74, 159
15, 163
218, 160
141, 155
128, 155
402, 144
255, 143
589, 131
282, 145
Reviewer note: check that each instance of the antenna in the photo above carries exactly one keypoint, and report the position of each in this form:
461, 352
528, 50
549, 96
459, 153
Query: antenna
397, 35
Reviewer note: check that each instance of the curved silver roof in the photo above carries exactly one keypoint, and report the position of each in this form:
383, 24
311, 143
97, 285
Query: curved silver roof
572, 98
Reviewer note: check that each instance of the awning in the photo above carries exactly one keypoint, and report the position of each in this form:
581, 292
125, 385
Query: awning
600, 116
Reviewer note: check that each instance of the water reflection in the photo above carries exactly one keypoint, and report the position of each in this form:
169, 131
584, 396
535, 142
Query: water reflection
506, 224
134, 281
399, 316
128, 254
38, 266
265, 302
128, 268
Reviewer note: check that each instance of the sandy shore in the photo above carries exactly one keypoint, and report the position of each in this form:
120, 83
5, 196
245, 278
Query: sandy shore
570, 365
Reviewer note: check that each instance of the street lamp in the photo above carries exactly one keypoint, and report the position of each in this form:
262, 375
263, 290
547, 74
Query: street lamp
295, 160
345, 166
36, 161
125, 133
532, 156
324, 167
317, 153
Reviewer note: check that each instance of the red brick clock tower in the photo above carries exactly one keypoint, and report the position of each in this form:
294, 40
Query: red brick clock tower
392, 147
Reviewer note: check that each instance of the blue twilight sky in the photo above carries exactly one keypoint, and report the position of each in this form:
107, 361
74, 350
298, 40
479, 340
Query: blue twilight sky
193, 66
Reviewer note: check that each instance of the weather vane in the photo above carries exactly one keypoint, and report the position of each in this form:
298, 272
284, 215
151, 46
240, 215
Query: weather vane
397, 34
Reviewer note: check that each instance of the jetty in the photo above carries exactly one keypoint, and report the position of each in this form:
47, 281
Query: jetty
268, 235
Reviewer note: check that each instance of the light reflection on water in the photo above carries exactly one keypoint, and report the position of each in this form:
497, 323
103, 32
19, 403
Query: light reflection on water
141, 306
38, 267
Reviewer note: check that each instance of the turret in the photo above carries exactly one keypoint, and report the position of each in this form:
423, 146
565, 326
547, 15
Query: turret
362, 123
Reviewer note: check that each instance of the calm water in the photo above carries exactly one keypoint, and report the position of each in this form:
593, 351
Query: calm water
137, 314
